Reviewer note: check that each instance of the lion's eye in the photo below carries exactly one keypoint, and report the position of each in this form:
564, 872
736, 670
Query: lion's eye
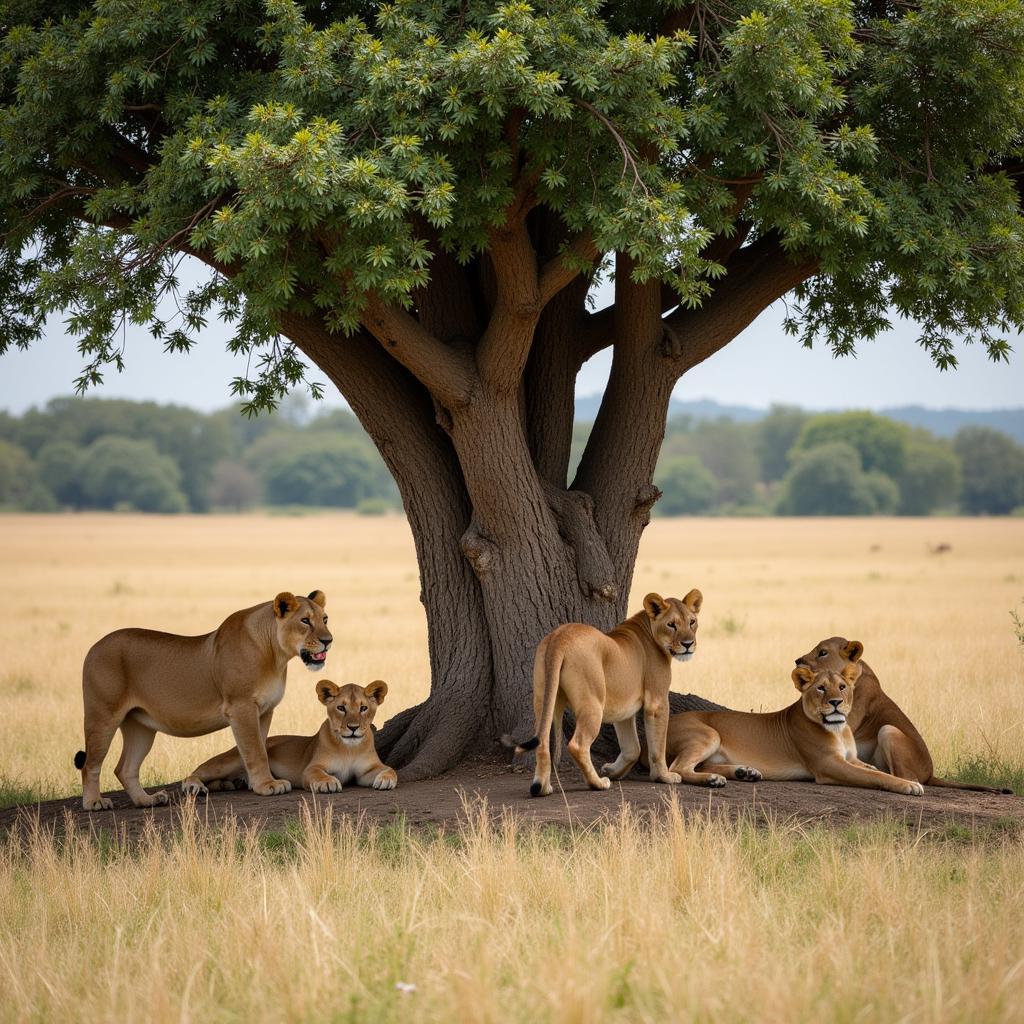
821, 689
822, 653
341, 708
363, 710
672, 625
693, 623
305, 622
325, 620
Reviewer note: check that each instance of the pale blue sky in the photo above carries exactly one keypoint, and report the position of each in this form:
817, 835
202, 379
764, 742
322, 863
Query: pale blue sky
758, 368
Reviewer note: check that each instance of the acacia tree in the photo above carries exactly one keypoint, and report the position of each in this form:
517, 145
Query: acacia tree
418, 196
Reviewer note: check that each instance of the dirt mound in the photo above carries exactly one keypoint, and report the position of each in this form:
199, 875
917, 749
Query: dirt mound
441, 802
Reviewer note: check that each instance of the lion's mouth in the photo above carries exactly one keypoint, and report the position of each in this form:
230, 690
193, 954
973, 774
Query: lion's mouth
313, 659
833, 718
682, 655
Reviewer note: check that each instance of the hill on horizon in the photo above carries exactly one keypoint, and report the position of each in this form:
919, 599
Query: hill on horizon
941, 422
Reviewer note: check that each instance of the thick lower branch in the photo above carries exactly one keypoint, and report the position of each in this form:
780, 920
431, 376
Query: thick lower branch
574, 513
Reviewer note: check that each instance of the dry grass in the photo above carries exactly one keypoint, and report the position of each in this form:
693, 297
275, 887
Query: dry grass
627, 921
936, 628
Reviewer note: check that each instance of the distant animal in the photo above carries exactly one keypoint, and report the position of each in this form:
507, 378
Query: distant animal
885, 735
808, 740
609, 677
341, 752
144, 682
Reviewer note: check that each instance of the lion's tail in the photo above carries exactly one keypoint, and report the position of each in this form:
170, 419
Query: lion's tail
80, 760
949, 784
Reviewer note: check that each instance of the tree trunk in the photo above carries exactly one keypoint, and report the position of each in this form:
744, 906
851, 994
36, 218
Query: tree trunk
468, 398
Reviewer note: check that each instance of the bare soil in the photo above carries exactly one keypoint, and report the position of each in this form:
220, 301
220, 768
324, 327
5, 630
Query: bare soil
442, 803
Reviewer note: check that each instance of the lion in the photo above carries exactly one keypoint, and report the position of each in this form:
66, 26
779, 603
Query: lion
885, 736
609, 677
808, 740
342, 751
144, 682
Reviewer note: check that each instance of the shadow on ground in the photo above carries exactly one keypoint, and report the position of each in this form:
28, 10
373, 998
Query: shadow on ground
442, 802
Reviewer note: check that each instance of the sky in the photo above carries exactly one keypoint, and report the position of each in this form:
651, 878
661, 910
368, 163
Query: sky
761, 367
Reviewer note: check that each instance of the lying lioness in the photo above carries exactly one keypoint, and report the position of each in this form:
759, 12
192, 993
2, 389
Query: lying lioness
808, 740
342, 751
609, 677
884, 734
145, 682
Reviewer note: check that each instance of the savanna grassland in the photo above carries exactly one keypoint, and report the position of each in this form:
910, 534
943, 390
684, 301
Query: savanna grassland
629, 920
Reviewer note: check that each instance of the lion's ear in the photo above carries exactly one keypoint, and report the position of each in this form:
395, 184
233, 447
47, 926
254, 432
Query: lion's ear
317, 597
377, 690
851, 672
654, 605
853, 650
326, 691
693, 600
802, 677
285, 603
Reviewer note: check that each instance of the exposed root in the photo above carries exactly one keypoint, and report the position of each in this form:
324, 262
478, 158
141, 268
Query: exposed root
427, 740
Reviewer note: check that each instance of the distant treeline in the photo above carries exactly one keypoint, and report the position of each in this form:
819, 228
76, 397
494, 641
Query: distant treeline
113, 454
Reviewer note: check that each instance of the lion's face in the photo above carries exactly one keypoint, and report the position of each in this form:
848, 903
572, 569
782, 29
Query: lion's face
350, 708
833, 654
302, 627
827, 697
674, 623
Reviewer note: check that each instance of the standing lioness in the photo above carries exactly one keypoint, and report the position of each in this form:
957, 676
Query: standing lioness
609, 677
145, 682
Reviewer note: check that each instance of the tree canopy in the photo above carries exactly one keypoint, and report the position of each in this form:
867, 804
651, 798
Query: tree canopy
319, 157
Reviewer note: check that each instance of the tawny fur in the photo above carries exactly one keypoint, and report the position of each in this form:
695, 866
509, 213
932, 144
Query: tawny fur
609, 677
808, 740
885, 735
144, 682
341, 752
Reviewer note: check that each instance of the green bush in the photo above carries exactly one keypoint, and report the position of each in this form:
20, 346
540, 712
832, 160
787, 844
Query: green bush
827, 481
686, 485
120, 472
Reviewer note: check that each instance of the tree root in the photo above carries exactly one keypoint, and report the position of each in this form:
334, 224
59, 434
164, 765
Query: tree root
428, 739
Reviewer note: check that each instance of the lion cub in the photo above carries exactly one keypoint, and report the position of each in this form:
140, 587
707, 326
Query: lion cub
810, 739
609, 677
341, 752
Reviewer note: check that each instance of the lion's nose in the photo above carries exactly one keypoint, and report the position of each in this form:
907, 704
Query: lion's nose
326, 641
835, 701
801, 661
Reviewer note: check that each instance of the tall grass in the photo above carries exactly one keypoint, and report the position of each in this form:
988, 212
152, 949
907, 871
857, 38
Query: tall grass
632, 920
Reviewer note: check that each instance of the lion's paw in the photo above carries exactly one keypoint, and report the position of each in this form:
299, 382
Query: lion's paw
745, 774
387, 779
331, 785
157, 799
275, 787
715, 781
103, 803
193, 787
672, 778
914, 789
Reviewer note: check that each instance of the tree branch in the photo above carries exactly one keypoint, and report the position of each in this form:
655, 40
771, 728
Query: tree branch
559, 271
446, 372
505, 345
758, 276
